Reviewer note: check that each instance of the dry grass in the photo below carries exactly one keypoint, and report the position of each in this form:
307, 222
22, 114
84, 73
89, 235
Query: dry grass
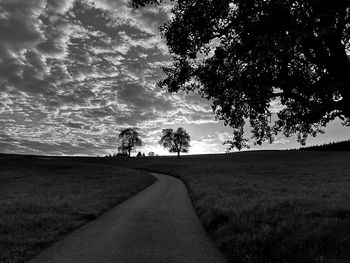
273, 206
41, 199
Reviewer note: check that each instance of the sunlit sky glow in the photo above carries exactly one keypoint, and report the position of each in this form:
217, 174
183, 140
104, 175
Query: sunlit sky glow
73, 73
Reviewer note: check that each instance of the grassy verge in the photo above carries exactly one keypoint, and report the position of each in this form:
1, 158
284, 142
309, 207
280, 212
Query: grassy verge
269, 206
41, 199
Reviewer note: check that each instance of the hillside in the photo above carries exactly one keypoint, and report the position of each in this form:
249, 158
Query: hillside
333, 146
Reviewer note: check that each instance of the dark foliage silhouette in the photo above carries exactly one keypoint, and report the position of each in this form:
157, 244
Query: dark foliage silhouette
244, 55
238, 141
130, 140
122, 154
176, 142
333, 146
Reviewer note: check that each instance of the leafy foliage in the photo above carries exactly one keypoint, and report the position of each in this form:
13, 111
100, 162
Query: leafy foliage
176, 142
130, 140
238, 141
245, 55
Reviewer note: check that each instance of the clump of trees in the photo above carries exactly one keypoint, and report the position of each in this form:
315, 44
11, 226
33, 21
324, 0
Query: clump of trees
175, 141
121, 154
245, 55
140, 154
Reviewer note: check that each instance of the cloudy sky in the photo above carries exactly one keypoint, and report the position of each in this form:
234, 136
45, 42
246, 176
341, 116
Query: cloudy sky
73, 73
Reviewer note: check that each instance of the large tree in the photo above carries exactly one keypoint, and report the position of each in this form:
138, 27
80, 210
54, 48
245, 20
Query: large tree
175, 141
130, 140
246, 55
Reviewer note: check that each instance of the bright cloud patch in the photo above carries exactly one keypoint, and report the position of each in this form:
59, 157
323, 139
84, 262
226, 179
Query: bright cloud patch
74, 73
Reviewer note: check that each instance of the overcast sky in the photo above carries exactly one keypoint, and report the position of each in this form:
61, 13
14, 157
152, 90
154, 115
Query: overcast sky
73, 73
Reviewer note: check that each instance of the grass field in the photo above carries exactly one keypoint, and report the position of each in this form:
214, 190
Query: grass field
43, 198
273, 206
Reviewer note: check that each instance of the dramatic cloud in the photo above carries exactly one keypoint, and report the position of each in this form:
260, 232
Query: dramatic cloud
74, 73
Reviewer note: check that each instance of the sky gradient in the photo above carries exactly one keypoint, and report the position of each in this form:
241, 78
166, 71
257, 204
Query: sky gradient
74, 73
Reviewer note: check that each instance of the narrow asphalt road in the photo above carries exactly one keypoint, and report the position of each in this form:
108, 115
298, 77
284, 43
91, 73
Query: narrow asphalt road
158, 224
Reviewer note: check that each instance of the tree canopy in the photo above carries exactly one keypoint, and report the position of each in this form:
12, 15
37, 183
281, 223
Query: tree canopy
248, 55
176, 142
130, 140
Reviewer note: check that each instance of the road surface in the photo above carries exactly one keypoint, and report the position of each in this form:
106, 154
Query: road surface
158, 224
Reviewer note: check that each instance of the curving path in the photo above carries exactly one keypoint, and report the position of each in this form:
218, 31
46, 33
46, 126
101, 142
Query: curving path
158, 224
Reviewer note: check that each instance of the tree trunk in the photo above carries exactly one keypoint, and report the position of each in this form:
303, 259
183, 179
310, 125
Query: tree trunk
129, 152
178, 155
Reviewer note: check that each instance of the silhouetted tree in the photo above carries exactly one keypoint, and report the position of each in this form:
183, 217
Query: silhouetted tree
122, 151
238, 141
122, 154
244, 55
130, 140
151, 154
176, 142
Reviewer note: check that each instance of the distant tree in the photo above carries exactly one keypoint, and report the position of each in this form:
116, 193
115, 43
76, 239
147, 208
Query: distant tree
151, 154
139, 154
176, 142
244, 55
130, 140
238, 141
122, 154
122, 151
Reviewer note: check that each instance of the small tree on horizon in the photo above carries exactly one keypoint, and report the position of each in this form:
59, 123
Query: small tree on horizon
238, 141
130, 140
176, 142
